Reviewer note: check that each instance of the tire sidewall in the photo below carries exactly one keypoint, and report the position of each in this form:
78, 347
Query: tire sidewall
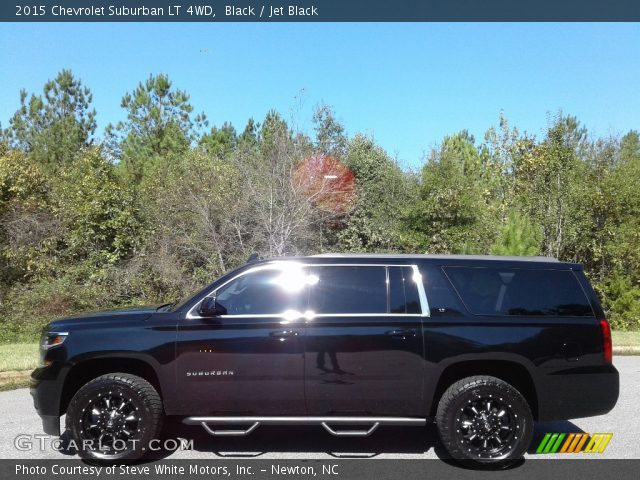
501, 390
83, 398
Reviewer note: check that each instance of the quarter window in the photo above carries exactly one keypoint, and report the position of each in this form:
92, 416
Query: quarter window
443, 300
504, 291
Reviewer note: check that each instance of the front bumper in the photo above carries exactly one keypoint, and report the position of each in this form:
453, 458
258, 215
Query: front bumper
46, 390
51, 425
578, 392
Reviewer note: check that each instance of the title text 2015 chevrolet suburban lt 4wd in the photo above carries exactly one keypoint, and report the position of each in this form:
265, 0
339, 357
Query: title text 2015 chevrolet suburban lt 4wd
481, 345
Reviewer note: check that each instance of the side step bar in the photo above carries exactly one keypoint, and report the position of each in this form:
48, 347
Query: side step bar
370, 423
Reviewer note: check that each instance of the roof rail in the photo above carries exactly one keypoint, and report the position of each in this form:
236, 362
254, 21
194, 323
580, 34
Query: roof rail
439, 256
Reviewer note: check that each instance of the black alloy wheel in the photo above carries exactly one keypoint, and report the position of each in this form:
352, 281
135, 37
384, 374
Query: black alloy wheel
484, 420
488, 427
110, 421
114, 417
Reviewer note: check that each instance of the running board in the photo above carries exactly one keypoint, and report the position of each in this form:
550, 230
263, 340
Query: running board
370, 423
350, 433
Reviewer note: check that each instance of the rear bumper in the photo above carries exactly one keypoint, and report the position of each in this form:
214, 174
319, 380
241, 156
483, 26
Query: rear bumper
577, 393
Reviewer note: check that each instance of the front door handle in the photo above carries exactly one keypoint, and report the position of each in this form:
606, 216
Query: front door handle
284, 333
402, 334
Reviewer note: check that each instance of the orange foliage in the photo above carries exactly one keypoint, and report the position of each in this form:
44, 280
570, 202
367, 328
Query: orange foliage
328, 183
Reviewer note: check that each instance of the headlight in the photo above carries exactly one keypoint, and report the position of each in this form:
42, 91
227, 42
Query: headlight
52, 339
48, 341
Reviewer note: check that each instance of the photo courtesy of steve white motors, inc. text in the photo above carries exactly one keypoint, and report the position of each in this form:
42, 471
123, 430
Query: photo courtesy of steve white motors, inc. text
211, 11
229, 469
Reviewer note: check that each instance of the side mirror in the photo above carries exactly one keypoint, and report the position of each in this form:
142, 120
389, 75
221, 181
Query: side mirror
210, 308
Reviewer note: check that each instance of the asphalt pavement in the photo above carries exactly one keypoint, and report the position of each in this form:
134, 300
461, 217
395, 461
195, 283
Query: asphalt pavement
19, 424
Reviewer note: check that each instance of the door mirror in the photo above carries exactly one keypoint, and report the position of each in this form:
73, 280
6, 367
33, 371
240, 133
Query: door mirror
211, 308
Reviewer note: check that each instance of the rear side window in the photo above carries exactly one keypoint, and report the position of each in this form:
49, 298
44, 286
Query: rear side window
403, 291
347, 289
514, 291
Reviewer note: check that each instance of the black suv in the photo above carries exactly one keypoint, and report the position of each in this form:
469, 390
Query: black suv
481, 345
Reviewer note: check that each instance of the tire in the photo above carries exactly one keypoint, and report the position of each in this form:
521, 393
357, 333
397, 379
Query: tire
483, 420
126, 411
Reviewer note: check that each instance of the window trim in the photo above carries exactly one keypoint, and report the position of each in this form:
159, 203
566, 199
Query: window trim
424, 306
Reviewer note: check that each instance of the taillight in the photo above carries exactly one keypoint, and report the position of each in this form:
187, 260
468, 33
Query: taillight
607, 346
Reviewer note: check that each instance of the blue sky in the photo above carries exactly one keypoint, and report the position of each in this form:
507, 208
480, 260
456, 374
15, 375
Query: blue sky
407, 85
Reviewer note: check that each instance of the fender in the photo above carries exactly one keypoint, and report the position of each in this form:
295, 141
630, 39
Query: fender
510, 367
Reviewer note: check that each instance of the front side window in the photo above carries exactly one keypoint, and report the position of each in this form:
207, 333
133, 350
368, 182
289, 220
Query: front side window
348, 289
271, 291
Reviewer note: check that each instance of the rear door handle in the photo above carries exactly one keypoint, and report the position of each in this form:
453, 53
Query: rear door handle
284, 333
402, 334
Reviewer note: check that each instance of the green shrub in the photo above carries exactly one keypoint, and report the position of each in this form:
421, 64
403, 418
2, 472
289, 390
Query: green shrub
621, 299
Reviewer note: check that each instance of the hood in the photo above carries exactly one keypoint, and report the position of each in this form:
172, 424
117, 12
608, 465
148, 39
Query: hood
123, 315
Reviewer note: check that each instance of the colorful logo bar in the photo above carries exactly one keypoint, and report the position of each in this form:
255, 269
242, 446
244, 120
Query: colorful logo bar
574, 443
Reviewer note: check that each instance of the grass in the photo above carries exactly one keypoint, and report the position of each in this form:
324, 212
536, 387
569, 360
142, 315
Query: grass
18, 356
16, 362
626, 343
626, 339
13, 383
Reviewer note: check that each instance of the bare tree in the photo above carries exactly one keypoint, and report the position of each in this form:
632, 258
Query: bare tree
289, 190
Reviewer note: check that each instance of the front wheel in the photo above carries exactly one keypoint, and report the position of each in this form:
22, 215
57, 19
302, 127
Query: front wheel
484, 420
114, 417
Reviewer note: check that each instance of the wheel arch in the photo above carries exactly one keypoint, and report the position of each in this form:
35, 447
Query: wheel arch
87, 369
512, 372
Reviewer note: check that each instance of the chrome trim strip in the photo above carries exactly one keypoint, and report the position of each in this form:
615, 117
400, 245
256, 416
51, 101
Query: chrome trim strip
387, 288
399, 421
328, 315
320, 315
424, 303
277, 264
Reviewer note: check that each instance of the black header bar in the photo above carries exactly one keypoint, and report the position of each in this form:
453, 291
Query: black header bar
320, 11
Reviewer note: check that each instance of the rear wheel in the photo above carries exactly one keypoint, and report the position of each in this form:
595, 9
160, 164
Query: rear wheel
114, 417
484, 420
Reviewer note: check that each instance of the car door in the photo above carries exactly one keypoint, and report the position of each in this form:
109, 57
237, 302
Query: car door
248, 360
363, 343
